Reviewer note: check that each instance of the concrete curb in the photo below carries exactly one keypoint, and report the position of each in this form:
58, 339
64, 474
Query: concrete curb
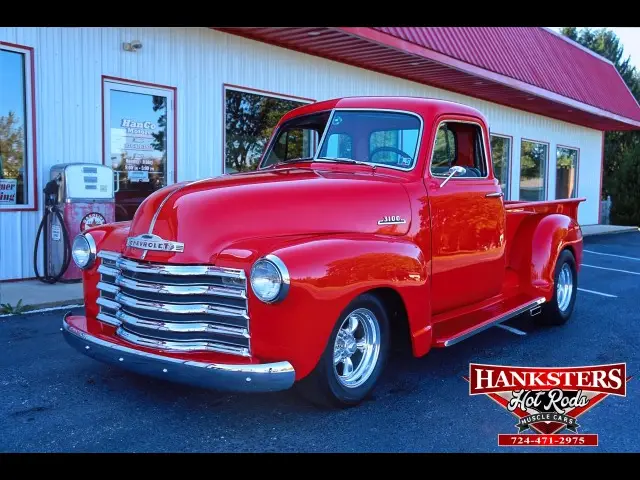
37, 307
610, 232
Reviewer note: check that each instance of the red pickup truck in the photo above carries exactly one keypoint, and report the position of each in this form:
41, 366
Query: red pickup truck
367, 217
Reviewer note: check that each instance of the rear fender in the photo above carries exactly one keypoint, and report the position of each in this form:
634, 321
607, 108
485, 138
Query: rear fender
536, 247
326, 274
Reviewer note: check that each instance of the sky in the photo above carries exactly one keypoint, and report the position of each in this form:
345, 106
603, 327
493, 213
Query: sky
630, 39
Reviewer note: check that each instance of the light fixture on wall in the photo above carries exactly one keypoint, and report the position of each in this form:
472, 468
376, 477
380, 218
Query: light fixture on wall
132, 46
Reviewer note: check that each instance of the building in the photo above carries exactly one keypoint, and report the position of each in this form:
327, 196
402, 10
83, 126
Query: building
170, 104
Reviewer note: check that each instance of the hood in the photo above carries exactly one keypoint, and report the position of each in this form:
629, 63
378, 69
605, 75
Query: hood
209, 215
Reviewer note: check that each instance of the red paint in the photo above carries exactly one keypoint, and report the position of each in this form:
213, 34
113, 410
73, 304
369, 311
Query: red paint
34, 149
513, 65
175, 114
459, 257
230, 86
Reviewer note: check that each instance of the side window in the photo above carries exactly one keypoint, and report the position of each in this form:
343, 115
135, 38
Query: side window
459, 144
444, 151
340, 145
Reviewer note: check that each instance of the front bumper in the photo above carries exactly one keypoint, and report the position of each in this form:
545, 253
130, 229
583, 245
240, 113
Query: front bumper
266, 377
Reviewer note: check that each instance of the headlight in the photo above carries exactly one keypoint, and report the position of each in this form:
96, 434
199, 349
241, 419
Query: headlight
270, 279
83, 250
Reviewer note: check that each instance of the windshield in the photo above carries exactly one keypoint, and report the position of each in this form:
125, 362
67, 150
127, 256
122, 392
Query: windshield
375, 137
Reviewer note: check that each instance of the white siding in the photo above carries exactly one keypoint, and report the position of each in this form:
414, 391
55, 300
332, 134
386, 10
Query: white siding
69, 63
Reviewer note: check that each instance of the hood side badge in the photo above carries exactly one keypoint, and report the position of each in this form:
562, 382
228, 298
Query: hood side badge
392, 220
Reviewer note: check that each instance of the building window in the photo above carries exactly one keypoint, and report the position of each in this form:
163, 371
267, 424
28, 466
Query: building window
17, 186
566, 172
533, 170
250, 117
501, 155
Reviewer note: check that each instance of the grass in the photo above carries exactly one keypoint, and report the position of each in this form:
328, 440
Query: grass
7, 308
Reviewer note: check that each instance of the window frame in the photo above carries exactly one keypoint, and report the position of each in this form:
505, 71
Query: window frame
255, 91
545, 177
31, 155
384, 110
507, 194
577, 149
484, 147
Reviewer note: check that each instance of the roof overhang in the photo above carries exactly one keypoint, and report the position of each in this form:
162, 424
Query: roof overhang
384, 53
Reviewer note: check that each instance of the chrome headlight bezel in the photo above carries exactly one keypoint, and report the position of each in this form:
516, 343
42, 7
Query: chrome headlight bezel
274, 262
90, 249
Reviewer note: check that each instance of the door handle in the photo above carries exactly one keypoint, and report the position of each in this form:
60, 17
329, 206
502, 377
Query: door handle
494, 195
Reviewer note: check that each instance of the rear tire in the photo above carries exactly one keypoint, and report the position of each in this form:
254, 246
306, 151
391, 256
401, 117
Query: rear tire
565, 287
354, 357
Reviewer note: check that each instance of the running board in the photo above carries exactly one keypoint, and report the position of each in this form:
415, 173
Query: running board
533, 307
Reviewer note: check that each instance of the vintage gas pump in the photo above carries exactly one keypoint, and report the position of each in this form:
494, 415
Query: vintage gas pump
78, 196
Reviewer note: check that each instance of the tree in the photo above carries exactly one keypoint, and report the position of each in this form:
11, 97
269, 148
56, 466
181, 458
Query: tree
617, 145
159, 139
11, 146
250, 120
626, 189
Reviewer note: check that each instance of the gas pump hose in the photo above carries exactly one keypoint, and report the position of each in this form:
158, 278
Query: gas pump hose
48, 277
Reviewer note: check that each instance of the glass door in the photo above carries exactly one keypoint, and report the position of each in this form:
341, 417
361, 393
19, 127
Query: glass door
138, 142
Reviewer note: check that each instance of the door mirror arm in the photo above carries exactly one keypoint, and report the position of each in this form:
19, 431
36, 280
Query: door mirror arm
454, 172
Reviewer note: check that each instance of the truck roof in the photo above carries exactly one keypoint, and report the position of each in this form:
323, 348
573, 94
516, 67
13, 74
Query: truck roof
426, 107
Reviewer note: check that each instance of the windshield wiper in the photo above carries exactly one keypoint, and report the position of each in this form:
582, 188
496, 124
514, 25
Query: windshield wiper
346, 160
291, 160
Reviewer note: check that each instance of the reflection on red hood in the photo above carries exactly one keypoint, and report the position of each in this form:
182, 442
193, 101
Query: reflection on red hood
209, 215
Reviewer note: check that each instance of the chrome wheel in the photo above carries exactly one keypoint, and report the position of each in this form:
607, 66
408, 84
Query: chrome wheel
356, 348
564, 288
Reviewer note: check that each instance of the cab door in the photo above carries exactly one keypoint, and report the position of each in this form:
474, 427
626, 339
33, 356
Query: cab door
467, 217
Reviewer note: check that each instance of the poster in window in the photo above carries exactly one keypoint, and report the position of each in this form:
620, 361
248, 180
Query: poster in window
8, 190
138, 139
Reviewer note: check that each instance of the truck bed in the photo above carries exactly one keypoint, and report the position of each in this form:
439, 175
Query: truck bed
567, 207
516, 211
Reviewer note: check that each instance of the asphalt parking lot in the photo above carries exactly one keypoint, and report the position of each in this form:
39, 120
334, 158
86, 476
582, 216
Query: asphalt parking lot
57, 400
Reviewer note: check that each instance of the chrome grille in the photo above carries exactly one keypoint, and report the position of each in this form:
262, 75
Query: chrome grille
175, 307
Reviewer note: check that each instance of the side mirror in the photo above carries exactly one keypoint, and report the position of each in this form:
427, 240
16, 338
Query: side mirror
454, 172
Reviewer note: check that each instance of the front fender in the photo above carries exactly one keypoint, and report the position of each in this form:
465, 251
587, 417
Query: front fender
326, 273
537, 246
112, 237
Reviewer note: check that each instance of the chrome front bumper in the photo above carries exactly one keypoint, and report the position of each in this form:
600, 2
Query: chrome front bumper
266, 377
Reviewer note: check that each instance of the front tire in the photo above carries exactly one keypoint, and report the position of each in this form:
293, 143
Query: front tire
354, 357
560, 308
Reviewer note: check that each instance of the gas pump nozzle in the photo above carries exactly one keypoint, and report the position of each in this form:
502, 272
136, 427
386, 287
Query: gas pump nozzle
51, 190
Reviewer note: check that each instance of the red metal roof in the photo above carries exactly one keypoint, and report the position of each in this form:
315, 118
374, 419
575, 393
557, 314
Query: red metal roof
529, 68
